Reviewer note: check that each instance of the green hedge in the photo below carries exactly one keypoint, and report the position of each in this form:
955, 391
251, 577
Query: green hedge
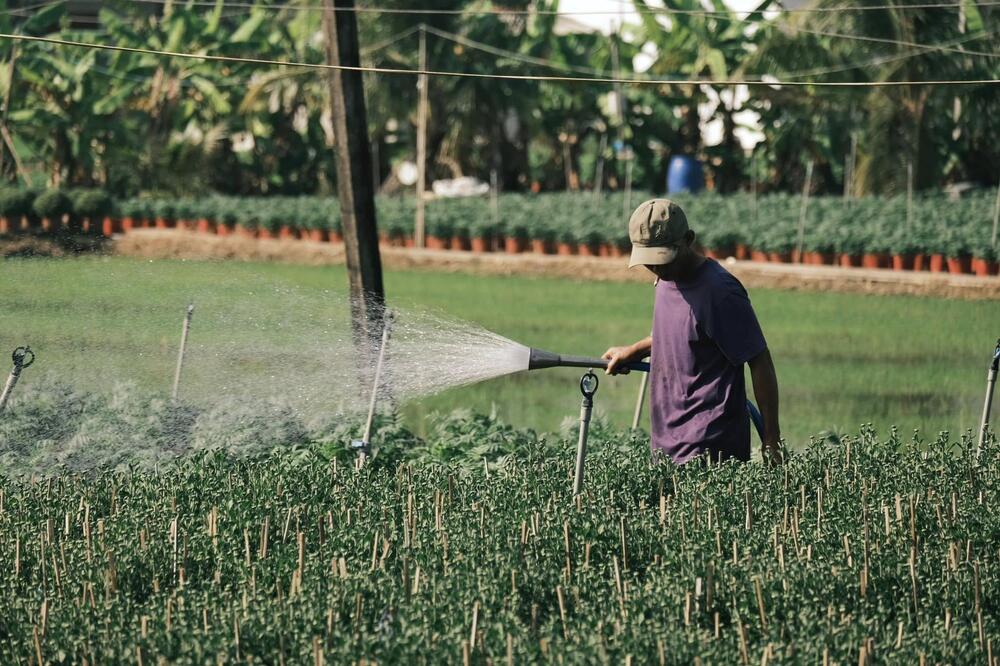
875, 224
769, 223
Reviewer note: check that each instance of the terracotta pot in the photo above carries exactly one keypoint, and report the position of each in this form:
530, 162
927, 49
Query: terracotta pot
902, 262
223, 229
779, 257
742, 252
849, 260
619, 251
4, 225
937, 263
711, 254
920, 262
565, 249
480, 244
265, 234
436, 243
245, 232
982, 267
203, 226
515, 245
587, 249
538, 246
758, 255
161, 223
337, 237
107, 227
286, 232
318, 235
186, 225
409, 241
127, 224
146, 223
959, 265
604, 250
871, 260
46, 224
459, 243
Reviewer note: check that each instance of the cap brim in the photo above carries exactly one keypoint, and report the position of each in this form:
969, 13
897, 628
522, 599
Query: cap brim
651, 256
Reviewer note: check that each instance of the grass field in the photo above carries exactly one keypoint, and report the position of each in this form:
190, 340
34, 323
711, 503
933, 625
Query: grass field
842, 359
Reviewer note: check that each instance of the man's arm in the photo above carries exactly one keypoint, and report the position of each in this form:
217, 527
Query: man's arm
619, 356
765, 389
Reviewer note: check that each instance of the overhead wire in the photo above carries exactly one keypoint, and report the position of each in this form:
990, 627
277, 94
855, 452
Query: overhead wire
724, 16
551, 12
493, 76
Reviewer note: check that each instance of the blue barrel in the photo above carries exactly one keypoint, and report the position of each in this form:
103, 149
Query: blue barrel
684, 174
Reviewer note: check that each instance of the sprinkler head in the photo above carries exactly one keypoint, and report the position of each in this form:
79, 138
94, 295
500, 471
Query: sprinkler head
588, 384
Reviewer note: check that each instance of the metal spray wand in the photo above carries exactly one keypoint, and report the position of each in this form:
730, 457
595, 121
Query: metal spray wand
22, 357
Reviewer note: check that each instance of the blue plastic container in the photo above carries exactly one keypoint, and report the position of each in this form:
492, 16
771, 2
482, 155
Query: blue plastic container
684, 174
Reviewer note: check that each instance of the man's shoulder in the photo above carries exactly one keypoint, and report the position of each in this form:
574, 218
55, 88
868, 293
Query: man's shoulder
717, 277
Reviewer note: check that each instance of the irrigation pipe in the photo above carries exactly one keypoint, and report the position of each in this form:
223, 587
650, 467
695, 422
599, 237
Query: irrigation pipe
507, 77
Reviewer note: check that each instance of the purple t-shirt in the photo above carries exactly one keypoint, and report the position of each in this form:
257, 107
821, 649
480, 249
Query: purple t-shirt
704, 330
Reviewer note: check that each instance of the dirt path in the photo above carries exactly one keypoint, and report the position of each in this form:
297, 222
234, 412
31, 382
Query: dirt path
187, 245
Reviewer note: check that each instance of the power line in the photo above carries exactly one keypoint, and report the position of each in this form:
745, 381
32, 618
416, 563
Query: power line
724, 16
553, 12
497, 51
881, 60
508, 77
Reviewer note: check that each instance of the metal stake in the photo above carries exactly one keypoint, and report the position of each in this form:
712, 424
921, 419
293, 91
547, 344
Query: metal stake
640, 400
991, 382
588, 387
363, 445
22, 357
180, 354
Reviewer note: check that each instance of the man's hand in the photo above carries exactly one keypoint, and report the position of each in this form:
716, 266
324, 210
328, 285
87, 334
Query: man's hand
619, 357
773, 453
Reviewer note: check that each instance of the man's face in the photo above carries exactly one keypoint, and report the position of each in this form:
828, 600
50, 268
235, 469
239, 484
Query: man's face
672, 270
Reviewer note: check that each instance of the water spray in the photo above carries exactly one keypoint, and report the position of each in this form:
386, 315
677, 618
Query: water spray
991, 382
185, 329
22, 357
363, 445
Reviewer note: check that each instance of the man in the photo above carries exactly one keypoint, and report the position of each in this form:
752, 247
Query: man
704, 330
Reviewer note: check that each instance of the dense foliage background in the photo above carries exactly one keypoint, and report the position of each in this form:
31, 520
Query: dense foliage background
133, 123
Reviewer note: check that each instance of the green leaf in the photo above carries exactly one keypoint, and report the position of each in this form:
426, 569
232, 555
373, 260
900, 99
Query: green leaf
218, 101
45, 20
249, 27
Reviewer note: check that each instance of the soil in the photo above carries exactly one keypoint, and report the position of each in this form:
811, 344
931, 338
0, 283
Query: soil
156, 244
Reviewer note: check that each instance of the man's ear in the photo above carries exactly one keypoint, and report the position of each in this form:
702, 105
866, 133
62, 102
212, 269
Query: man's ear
689, 237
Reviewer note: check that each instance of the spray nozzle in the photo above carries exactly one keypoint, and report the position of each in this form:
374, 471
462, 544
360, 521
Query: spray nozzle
588, 384
22, 357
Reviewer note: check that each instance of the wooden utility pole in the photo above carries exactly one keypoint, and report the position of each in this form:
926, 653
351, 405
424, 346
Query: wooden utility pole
354, 168
419, 226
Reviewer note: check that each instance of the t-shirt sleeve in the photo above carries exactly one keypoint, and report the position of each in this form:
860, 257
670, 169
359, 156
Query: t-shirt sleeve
733, 326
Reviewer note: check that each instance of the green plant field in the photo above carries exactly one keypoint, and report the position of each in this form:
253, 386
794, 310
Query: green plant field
866, 552
842, 359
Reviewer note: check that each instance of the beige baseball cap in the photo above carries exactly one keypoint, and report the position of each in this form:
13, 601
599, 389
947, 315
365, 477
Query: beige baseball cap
655, 229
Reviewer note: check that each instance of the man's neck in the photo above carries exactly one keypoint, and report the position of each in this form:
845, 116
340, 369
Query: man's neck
685, 267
